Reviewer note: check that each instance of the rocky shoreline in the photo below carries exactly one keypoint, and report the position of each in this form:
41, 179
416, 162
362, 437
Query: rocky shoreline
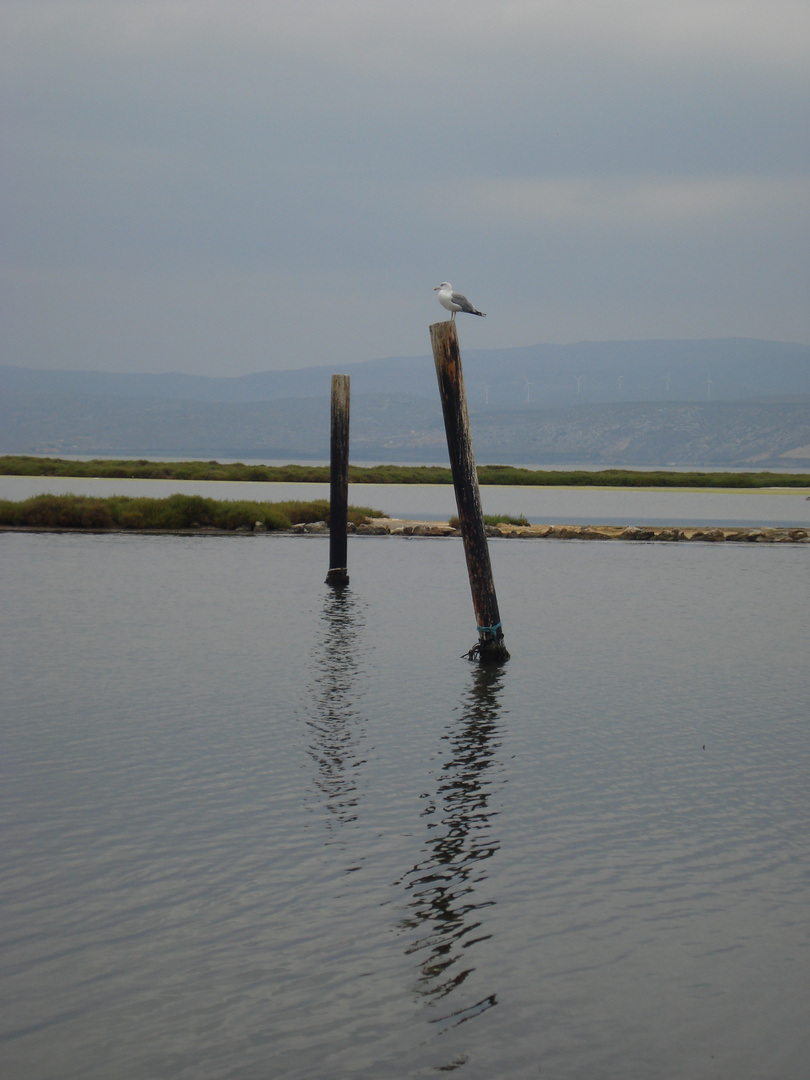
759, 534
395, 527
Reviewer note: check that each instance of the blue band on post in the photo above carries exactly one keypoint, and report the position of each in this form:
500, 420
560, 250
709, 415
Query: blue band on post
490, 630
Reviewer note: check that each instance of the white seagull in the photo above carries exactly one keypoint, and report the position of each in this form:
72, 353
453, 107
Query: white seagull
454, 301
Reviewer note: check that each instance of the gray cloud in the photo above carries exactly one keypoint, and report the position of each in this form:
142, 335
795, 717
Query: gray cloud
216, 187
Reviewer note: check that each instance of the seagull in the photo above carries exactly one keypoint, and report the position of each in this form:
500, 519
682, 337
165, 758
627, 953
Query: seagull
454, 301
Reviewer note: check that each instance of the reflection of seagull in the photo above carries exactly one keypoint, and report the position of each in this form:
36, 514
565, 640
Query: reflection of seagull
454, 301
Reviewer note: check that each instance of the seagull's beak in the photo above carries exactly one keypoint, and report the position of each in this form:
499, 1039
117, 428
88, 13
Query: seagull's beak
436, 289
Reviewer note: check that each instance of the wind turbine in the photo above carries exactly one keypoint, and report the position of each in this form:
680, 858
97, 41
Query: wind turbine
709, 386
579, 381
486, 391
528, 391
620, 381
667, 377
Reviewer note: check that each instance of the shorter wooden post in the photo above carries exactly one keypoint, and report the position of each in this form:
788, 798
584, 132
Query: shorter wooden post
339, 482
447, 357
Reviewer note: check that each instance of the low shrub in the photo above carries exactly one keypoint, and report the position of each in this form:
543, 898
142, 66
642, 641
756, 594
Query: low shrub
59, 512
175, 512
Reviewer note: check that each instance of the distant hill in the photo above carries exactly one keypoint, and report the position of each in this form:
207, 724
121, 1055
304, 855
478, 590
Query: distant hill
727, 369
731, 402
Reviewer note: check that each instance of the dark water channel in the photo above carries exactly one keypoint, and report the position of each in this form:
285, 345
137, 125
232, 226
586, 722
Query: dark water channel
253, 827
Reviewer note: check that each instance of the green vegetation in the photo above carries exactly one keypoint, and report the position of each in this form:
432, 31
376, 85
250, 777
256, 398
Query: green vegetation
507, 474
175, 512
142, 469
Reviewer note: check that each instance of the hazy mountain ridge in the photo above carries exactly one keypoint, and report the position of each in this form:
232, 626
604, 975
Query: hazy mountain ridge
755, 434
736, 368
730, 402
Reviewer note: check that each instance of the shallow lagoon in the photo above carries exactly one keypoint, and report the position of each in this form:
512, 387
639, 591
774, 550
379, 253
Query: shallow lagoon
257, 828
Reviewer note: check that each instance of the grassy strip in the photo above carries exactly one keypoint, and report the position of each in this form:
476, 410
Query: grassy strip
176, 512
507, 474
391, 474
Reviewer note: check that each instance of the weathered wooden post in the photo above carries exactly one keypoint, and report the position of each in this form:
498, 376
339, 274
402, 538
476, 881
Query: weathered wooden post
490, 647
339, 482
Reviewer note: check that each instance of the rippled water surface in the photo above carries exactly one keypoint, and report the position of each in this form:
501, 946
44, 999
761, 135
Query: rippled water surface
253, 827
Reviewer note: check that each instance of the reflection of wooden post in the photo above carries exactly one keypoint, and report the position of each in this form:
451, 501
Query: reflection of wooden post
339, 482
490, 646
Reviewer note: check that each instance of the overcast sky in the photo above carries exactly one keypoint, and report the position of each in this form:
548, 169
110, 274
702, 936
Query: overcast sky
226, 187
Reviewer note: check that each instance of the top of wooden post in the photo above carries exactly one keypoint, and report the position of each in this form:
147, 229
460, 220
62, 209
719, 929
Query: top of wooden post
446, 328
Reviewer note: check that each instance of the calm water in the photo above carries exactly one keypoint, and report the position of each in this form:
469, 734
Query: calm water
254, 828
436, 502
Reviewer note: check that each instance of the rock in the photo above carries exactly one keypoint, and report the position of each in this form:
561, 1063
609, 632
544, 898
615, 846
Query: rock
637, 532
427, 529
712, 535
670, 534
371, 529
587, 532
753, 536
311, 527
539, 531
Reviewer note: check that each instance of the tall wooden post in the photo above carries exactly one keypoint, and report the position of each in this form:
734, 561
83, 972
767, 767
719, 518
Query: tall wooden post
339, 482
490, 646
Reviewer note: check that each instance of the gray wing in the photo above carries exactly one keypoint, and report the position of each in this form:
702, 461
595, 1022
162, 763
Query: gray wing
463, 303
